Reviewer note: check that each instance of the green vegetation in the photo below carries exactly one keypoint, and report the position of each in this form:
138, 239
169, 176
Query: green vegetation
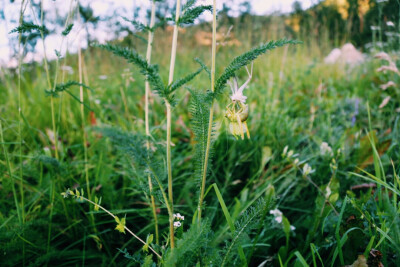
84, 182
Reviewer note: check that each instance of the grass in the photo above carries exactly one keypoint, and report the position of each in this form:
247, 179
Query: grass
294, 100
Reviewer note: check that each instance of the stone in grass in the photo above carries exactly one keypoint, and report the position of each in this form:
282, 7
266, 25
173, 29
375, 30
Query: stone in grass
348, 54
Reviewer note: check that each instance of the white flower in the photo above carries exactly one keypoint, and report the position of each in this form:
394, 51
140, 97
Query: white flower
237, 92
278, 215
387, 85
285, 151
296, 162
325, 149
68, 69
307, 169
292, 228
103, 77
177, 224
328, 192
290, 153
384, 102
179, 217
97, 101
390, 24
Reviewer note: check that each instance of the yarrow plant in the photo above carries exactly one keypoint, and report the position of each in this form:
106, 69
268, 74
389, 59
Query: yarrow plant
203, 112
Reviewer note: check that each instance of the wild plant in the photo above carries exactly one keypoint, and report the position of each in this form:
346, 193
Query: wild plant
54, 89
146, 154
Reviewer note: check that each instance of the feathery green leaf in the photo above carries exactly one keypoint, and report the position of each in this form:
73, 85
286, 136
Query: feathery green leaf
150, 71
68, 29
180, 82
191, 13
245, 59
28, 27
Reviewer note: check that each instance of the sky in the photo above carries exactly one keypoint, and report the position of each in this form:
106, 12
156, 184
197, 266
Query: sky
106, 29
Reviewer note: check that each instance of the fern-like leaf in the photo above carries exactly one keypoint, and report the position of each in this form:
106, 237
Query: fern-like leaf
29, 27
137, 24
150, 71
182, 81
67, 29
200, 111
63, 87
245, 59
203, 65
189, 246
249, 220
191, 13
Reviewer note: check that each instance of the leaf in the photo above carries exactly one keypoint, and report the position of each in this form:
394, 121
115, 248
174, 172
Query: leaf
98, 202
120, 224
67, 29
198, 60
192, 13
180, 82
150, 71
137, 24
246, 58
28, 27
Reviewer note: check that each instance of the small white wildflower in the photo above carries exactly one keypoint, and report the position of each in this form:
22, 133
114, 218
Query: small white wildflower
383, 56
296, 162
390, 24
285, 151
387, 85
177, 224
179, 217
375, 28
103, 77
277, 214
97, 101
292, 228
68, 69
325, 149
307, 169
385, 102
328, 192
290, 153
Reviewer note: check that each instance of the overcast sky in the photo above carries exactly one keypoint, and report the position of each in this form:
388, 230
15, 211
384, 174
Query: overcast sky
105, 30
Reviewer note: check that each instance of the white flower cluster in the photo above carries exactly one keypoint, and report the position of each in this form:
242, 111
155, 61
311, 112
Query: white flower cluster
296, 162
178, 217
279, 216
325, 149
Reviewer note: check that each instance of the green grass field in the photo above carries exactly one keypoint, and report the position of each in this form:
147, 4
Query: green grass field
344, 207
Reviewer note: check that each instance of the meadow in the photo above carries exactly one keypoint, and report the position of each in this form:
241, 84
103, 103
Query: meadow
313, 182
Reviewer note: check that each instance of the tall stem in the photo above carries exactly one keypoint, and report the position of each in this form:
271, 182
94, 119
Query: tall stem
146, 112
10, 173
210, 120
168, 107
82, 108
53, 117
21, 187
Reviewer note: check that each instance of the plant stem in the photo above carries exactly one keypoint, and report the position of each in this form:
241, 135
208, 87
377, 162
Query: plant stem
10, 173
168, 107
126, 228
210, 120
21, 187
82, 109
146, 112
53, 119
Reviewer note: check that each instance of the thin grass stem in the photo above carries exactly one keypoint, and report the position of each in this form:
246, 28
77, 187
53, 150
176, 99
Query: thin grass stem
126, 228
10, 173
169, 111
